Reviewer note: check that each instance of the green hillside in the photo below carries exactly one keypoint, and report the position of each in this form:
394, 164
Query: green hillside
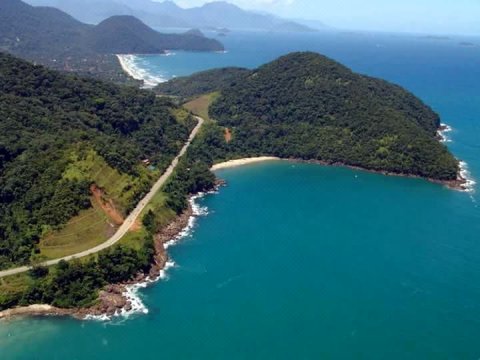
309, 107
58, 134
50, 37
128, 35
202, 83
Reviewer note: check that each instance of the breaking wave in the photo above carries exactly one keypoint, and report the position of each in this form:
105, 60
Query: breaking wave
130, 65
133, 292
443, 131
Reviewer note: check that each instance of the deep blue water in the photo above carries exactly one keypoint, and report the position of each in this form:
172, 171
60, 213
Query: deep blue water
305, 261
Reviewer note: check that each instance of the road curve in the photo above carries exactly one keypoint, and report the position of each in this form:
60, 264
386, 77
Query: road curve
131, 218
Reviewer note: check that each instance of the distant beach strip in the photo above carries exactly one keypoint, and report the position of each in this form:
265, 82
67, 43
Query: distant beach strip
130, 66
241, 162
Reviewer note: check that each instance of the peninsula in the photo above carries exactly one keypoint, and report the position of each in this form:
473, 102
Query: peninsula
307, 107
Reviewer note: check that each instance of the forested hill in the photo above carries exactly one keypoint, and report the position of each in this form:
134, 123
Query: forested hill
128, 35
307, 106
202, 83
54, 130
51, 37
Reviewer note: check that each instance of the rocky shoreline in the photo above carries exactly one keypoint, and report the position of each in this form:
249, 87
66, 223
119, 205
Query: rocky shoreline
112, 300
460, 183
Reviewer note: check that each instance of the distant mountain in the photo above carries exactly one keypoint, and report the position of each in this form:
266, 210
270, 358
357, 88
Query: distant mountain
26, 30
51, 37
313, 24
292, 26
203, 82
127, 35
168, 14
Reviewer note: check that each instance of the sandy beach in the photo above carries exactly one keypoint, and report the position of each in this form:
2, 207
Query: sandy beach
127, 62
240, 162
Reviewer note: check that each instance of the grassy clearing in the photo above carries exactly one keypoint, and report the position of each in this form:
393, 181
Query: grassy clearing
181, 115
121, 188
134, 239
200, 105
13, 287
93, 226
89, 229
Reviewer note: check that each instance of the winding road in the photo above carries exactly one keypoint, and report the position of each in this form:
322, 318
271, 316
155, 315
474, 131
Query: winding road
131, 218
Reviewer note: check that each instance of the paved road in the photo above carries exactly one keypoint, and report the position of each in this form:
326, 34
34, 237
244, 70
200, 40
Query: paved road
129, 221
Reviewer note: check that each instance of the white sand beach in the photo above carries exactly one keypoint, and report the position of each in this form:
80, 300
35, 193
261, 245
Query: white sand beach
240, 162
127, 61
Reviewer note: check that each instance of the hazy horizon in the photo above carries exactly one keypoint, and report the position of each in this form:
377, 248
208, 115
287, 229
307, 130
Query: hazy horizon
410, 16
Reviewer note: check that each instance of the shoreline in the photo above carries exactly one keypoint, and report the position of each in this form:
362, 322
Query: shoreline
121, 300
243, 161
127, 62
117, 300
462, 183
442, 132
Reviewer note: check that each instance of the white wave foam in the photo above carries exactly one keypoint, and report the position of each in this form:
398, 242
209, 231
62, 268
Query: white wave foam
132, 292
470, 183
130, 65
103, 317
197, 211
442, 133
132, 295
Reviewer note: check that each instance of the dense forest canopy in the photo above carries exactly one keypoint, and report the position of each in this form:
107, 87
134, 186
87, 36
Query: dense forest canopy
202, 83
307, 106
45, 117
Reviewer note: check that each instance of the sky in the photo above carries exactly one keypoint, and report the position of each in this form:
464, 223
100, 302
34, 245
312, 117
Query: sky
416, 16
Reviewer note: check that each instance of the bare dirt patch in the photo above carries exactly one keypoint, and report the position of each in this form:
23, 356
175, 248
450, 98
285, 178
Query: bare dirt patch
107, 205
228, 135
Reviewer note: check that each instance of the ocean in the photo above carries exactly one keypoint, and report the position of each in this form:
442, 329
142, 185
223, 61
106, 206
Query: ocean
302, 261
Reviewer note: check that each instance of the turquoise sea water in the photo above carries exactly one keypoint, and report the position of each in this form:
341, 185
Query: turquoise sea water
305, 261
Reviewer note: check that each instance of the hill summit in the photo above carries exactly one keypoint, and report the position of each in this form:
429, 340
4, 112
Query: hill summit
307, 106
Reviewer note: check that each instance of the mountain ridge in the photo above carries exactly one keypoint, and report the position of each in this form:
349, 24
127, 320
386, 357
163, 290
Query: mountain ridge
53, 38
217, 14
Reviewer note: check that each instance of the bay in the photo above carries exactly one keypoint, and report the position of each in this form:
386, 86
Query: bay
307, 261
